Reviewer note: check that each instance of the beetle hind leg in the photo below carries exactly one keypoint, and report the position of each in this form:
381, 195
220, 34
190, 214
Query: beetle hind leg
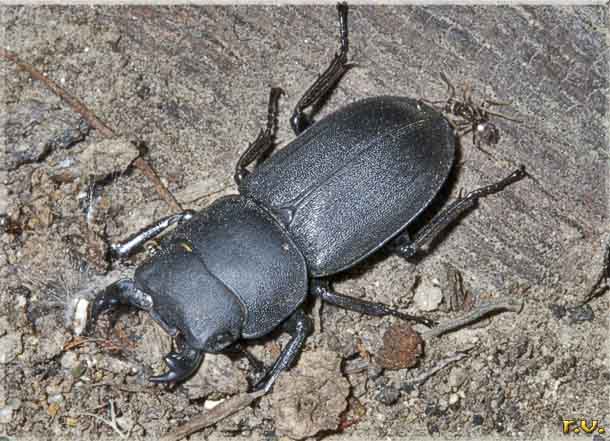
406, 247
181, 365
322, 290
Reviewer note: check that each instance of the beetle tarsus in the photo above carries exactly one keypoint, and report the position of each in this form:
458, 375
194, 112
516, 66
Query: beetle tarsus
321, 289
325, 83
182, 365
265, 140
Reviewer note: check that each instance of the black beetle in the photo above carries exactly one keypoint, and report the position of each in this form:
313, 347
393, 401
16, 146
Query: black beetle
346, 186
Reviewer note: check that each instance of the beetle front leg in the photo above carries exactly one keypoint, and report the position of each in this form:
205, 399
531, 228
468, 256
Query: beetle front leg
128, 247
322, 290
299, 326
316, 93
182, 365
405, 247
119, 293
264, 143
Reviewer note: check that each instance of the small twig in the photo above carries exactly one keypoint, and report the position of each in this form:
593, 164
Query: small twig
78, 341
420, 379
218, 413
143, 165
79, 107
473, 316
111, 423
73, 102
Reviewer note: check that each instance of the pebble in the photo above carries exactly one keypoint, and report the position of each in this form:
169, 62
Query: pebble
216, 376
477, 420
14, 403
10, 347
55, 399
51, 342
125, 422
580, 313
6, 415
211, 404
402, 347
33, 129
457, 376
107, 157
388, 395
117, 366
477, 365
558, 311
311, 397
69, 360
427, 297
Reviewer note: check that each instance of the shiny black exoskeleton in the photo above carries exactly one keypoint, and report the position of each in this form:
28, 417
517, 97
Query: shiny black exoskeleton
346, 186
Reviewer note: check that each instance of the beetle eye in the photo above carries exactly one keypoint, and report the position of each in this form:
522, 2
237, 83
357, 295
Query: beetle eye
186, 245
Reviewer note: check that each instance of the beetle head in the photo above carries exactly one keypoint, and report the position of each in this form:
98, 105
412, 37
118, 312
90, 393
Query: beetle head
188, 298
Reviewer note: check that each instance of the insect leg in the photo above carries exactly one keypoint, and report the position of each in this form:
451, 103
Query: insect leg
128, 247
239, 350
322, 290
408, 248
450, 87
314, 96
299, 326
119, 293
264, 143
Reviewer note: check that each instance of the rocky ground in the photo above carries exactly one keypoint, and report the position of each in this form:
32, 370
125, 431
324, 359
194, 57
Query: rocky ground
190, 85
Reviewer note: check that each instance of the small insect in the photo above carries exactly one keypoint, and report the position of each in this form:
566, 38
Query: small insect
471, 117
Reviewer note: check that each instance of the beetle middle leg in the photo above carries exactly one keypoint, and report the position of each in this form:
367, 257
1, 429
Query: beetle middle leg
299, 326
407, 247
325, 82
322, 290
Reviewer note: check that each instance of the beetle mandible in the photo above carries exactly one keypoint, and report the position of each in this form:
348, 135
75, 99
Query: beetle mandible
346, 186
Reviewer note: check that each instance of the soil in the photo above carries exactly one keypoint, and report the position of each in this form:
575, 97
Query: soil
190, 85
